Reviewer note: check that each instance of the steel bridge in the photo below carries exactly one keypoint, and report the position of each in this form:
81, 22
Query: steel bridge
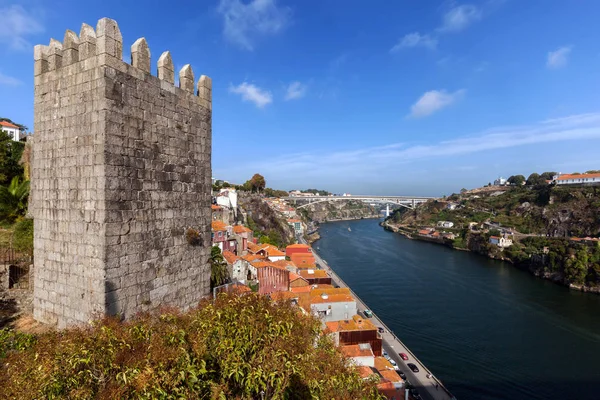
404, 201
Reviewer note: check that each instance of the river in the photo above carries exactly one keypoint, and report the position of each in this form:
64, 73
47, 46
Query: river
485, 328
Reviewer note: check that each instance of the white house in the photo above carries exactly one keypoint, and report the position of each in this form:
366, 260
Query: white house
445, 224
13, 131
501, 241
228, 198
500, 181
451, 206
576, 179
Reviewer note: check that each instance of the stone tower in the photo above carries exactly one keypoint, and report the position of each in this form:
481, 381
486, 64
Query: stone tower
121, 170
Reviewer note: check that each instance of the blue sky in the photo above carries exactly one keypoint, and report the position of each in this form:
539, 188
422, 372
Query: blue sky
381, 97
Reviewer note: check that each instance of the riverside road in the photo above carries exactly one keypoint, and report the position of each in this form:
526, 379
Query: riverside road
429, 388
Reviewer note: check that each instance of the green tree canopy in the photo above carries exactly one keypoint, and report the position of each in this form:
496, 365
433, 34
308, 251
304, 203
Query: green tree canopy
13, 200
233, 348
535, 179
218, 268
516, 180
10, 156
548, 175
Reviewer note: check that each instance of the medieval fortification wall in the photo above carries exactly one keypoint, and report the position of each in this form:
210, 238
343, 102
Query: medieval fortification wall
121, 169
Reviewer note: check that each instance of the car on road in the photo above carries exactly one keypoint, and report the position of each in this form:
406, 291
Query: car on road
402, 374
393, 362
403, 356
385, 354
368, 313
413, 367
415, 394
381, 330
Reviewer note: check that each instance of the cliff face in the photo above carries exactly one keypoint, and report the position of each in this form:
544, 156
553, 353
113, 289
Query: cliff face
264, 221
338, 210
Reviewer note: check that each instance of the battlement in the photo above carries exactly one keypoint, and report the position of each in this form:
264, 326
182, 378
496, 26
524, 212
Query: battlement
104, 46
121, 169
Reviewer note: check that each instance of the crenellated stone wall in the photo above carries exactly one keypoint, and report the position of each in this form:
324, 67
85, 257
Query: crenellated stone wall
121, 169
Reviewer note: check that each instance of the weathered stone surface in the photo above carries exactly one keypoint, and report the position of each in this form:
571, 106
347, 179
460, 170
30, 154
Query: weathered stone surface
121, 168
140, 55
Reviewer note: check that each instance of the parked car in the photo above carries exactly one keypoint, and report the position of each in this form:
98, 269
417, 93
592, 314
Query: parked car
402, 374
415, 394
368, 313
413, 367
403, 356
381, 330
385, 354
392, 362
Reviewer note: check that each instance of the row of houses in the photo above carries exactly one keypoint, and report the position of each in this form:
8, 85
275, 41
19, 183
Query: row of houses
289, 213
292, 275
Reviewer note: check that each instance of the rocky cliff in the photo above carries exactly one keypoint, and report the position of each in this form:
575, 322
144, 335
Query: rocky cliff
338, 210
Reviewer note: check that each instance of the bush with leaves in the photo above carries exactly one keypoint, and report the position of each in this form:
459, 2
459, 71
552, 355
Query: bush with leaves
233, 348
13, 200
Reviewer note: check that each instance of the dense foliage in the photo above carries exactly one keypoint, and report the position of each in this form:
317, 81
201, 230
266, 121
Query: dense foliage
10, 156
13, 200
235, 348
218, 268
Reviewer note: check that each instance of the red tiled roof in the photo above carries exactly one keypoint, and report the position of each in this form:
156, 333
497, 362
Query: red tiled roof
8, 124
218, 226
580, 176
241, 229
354, 350
293, 220
364, 371
215, 207
298, 246
313, 273
230, 257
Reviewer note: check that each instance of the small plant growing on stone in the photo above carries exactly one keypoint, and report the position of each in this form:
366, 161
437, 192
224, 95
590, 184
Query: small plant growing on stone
193, 237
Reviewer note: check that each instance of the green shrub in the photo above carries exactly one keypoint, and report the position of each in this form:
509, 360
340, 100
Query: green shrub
232, 348
23, 236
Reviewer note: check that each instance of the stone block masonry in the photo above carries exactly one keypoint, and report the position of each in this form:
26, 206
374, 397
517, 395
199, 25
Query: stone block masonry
121, 169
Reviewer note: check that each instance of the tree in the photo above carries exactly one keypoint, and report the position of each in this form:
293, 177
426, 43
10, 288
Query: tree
13, 200
593, 171
463, 190
257, 182
535, 179
218, 268
10, 155
548, 175
516, 180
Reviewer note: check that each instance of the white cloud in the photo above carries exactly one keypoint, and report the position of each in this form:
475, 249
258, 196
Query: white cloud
433, 101
9, 80
245, 22
415, 39
460, 17
16, 25
253, 94
295, 90
337, 166
559, 57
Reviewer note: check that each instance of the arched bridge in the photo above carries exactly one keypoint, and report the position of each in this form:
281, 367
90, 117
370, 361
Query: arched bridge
404, 201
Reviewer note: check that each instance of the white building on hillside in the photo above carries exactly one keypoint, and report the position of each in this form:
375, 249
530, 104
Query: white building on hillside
500, 182
576, 179
13, 131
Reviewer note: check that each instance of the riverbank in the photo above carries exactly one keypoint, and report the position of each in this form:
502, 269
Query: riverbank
428, 384
533, 269
482, 326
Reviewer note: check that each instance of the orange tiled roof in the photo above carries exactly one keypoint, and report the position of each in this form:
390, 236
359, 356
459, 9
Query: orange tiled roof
284, 263
294, 276
424, 232
230, 257
306, 266
262, 264
8, 124
580, 176
354, 350
302, 258
218, 226
388, 390
241, 229
253, 247
390, 375
298, 246
313, 273
252, 257
336, 295
239, 288
364, 371
357, 323
216, 207
292, 220
272, 250
301, 289
382, 364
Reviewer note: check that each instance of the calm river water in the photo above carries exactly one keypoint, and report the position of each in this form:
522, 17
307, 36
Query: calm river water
486, 329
